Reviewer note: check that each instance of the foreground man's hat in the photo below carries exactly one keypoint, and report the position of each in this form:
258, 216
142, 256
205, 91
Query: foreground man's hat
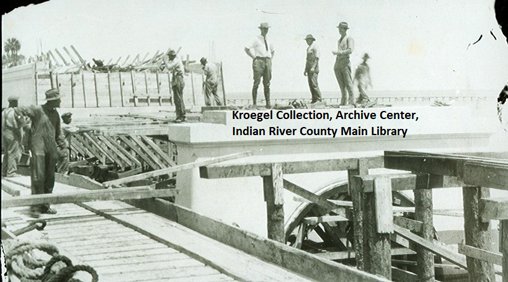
52, 94
13, 99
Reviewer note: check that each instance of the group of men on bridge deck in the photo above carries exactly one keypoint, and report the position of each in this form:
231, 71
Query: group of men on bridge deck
262, 52
48, 143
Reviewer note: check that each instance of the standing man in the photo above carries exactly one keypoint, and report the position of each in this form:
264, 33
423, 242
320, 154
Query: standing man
46, 145
312, 68
68, 130
362, 75
342, 66
12, 135
261, 52
211, 83
175, 66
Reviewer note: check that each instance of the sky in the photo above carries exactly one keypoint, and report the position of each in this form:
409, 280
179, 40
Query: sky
414, 45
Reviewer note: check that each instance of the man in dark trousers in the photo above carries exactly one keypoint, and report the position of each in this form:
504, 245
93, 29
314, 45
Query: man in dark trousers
312, 68
261, 52
12, 135
342, 67
175, 66
46, 145
362, 76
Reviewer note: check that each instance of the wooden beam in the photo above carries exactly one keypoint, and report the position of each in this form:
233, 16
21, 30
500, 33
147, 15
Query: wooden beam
358, 202
54, 58
77, 180
342, 255
313, 220
403, 275
111, 144
271, 251
147, 151
119, 147
449, 255
158, 150
274, 198
70, 56
411, 224
302, 192
290, 167
96, 195
95, 143
493, 208
61, 57
177, 168
489, 256
492, 176
83, 62
138, 151
9, 188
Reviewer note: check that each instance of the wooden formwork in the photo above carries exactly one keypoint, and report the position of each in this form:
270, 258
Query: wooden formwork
372, 212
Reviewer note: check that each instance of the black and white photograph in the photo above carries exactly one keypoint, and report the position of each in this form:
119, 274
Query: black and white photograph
223, 140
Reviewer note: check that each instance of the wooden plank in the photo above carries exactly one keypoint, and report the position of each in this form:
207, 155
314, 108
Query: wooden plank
383, 204
98, 195
274, 198
493, 208
83, 85
477, 233
357, 198
290, 167
492, 176
327, 218
423, 213
61, 57
10, 188
265, 249
489, 256
70, 56
177, 168
168, 256
403, 275
121, 88
115, 147
350, 255
147, 151
158, 150
77, 180
138, 151
54, 58
95, 142
449, 255
411, 224
93, 150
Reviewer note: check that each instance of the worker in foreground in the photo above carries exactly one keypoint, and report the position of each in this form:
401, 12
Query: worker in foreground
12, 135
211, 82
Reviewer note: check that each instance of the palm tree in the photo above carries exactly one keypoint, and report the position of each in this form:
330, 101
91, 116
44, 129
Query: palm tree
12, 47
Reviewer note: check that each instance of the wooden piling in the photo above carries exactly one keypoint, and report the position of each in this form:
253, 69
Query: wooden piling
355, 190
423, 213
273, 192
146, 89
135, 98
170, 90
222, 83
477, 233
503, 246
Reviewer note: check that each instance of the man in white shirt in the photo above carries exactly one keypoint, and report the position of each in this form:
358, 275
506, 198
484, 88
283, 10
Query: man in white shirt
312, 68
261, 52
342, 66
211, 83
175, 66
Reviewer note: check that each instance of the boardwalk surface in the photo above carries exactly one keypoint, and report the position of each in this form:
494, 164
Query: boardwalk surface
123, 243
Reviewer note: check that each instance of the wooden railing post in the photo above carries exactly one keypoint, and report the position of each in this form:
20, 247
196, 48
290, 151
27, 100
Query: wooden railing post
423, 213
273, 187
477, 233
378, 224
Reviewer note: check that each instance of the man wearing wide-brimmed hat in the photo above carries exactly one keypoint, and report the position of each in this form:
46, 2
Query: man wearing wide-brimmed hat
362, 76
46, 145
261, 51
12, 135
175, 66
211, 82
342, 65
312, 68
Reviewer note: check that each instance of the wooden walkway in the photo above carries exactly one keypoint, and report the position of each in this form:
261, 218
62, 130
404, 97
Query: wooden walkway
124, 243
